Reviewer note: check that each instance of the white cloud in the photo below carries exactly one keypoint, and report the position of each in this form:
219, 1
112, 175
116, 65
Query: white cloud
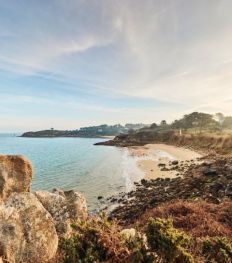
174, 51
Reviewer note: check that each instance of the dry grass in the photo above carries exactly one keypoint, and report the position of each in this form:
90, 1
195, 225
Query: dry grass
219, 143
199, 219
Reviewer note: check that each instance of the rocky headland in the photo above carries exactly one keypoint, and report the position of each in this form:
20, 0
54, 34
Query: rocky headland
85, 132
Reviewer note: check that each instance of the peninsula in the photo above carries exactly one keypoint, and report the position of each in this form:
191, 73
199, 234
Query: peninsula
86, 132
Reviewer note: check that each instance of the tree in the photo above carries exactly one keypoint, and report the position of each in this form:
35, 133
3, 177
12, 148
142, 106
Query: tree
202, 120
153, 126
177, 124
197, 121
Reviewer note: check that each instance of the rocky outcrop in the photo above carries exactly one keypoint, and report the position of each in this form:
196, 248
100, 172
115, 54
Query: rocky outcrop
65, 207
220, 144
30, 223
140, 137
27, 231
15, 175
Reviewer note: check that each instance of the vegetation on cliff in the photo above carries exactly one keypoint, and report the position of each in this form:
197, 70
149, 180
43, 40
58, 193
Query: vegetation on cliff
198, 122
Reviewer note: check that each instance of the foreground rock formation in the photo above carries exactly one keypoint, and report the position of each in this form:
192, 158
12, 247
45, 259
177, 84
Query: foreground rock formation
15, 175
64, 207
27, 231
31, 224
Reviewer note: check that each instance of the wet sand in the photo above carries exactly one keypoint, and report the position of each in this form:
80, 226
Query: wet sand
151, 155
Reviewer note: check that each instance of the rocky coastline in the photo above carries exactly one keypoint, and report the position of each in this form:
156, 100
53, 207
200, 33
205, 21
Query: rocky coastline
205, 143
55, 226
209, 179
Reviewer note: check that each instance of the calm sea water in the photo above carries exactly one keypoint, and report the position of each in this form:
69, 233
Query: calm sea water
75, 163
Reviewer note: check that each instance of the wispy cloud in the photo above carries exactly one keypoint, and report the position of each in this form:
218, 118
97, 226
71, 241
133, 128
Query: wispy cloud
177, 52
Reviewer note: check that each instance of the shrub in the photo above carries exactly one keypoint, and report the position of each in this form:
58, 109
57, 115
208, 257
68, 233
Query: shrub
168, 242
138, 250
217, 250
94, 240
98, 240
179, 232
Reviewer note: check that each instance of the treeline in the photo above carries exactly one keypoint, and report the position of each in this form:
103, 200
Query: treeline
197, 122
108, 130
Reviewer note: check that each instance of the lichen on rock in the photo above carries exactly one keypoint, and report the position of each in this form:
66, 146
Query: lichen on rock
27, 231
15, 175
65, 207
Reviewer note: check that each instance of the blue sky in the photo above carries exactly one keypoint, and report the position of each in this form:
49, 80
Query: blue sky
70, 63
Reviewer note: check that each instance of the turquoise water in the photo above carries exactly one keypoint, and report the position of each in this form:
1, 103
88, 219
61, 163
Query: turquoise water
74, 163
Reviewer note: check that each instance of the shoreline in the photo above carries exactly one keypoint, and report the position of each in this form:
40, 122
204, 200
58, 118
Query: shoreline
154, 162
84, 137
155, 159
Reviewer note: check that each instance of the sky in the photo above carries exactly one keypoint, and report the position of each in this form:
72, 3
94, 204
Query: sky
72, 63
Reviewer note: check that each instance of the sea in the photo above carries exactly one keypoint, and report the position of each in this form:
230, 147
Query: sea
76, 163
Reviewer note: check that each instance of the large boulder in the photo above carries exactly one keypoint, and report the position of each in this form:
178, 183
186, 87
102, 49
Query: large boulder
15, 175
27, 231
65, 207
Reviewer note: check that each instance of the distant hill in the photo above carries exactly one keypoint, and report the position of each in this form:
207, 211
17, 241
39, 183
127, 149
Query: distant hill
88, 132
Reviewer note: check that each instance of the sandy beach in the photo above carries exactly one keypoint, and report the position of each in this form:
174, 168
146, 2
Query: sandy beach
151, 155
